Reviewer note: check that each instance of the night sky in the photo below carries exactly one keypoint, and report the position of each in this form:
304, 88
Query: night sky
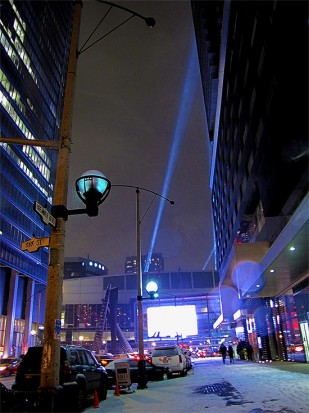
139, 118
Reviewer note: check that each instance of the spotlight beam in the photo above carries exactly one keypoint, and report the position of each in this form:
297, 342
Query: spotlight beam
181, 122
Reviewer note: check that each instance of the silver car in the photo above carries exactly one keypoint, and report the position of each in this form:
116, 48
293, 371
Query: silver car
172, 357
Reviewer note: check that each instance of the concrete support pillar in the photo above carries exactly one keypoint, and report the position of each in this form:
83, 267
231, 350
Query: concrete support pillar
10, 319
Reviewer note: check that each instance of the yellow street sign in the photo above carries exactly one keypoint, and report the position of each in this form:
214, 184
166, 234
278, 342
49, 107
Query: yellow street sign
33, 244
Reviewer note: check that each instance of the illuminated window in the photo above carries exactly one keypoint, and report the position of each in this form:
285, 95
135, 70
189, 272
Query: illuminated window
27, 171
20, 32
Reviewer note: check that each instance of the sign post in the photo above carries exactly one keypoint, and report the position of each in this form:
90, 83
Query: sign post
122, 372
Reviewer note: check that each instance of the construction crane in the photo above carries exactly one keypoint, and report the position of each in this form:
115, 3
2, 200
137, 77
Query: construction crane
109, 303
98, 346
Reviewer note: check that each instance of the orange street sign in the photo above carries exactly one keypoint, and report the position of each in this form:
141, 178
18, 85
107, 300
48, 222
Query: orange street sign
33, 244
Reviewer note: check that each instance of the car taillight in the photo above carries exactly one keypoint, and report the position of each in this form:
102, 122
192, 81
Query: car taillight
104, 362
180, 358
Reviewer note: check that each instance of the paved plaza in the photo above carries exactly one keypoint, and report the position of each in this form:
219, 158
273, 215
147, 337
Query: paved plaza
214, 387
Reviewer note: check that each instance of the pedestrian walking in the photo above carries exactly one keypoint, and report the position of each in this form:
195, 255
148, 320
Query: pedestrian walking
223, 351
230, 351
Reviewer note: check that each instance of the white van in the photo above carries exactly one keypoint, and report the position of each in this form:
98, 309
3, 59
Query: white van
170, 356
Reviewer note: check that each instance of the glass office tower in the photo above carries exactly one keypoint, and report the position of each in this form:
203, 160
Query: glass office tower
254, 67
34, 43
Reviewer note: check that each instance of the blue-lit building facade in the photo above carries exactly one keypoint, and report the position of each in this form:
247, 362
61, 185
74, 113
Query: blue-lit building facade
254, 67
35, 40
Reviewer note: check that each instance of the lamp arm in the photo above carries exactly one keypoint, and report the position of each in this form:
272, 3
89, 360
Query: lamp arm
83, 49
150, 21
61, 211
148, 208
147, 190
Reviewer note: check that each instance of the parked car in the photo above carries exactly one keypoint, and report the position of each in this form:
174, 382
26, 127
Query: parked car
136, 356
153, 373
122, 356
9, 366
214, 352
80, 375
105, 359
172, 357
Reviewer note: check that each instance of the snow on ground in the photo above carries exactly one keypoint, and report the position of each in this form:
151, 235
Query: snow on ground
214, 387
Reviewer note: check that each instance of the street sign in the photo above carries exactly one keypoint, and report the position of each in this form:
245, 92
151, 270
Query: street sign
33, 244
122, 372
46, 217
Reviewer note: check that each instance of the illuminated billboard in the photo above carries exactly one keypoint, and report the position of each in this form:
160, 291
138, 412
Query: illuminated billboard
170, 321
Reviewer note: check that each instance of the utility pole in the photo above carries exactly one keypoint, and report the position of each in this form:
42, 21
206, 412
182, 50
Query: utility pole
51, 343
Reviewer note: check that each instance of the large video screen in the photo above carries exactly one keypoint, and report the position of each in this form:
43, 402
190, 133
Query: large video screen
170, 321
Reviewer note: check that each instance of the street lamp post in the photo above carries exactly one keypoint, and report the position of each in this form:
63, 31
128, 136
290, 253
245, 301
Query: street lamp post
142, 380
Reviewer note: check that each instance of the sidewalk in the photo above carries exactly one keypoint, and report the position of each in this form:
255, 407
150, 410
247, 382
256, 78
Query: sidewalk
214, 387
289, 366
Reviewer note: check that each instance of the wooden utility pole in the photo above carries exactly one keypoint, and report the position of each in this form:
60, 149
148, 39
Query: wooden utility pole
51, 343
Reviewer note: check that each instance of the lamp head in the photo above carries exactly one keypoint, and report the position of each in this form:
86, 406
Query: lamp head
92, 188
152, 289
150, 21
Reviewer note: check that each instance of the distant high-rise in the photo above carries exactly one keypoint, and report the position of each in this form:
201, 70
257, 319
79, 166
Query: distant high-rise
156, 263
254, 68
35, 40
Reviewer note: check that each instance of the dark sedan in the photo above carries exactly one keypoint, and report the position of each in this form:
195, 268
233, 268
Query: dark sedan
153, 373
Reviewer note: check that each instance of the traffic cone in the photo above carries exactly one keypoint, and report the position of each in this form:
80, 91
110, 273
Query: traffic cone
96, 403
117, 393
